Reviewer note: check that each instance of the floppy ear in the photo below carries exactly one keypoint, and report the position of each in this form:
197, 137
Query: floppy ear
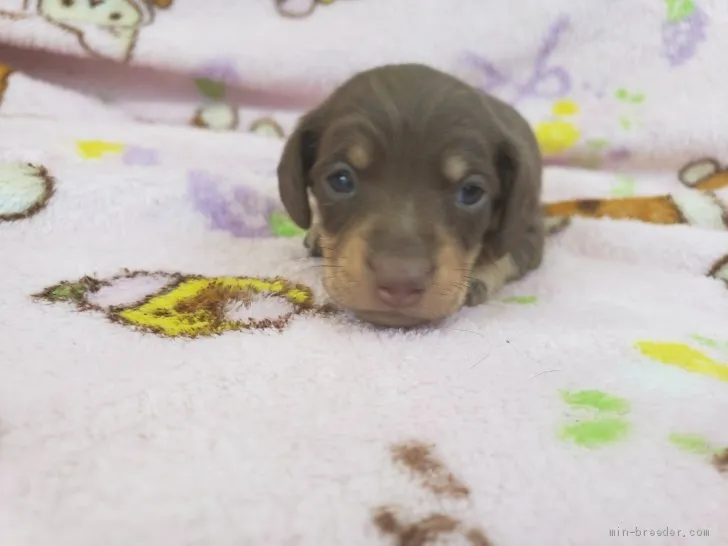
518, 167
299, 155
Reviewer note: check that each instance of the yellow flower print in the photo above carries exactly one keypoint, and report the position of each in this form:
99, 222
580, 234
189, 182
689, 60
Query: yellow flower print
555, 137
565, 107
94, 149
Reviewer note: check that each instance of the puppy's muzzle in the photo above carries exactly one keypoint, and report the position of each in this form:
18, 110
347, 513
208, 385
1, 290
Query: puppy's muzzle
400, 281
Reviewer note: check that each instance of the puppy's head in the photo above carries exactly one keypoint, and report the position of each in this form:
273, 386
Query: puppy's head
415, 177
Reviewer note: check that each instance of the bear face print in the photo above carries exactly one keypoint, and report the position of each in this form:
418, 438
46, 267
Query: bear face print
119, 13
104, 28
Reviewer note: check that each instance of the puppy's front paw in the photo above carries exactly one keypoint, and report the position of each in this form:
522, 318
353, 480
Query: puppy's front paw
477, 293
311, 242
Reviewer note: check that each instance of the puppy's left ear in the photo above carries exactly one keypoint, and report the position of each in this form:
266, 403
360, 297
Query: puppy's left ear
299, 155
518, 166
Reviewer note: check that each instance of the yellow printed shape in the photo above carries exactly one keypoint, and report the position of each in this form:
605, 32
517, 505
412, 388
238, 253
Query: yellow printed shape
685, 357
555, 137
565, 107
199, 306
94, 149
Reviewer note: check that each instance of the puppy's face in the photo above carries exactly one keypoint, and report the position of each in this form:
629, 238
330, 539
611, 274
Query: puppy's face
405, 166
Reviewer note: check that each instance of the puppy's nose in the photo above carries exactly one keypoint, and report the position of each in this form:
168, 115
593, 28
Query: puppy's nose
400, 282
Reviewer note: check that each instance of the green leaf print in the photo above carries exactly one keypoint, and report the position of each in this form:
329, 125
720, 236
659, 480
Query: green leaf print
210, 89
677, 10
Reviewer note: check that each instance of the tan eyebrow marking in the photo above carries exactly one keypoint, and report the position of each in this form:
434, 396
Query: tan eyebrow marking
454, 167
359, 156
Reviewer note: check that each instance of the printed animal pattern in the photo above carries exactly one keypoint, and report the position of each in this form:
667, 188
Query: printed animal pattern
25, 190
188, 306
104, 28
697, 206
173, 305
419, 461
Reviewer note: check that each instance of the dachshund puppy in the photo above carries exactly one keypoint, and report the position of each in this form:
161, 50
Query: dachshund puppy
421, 193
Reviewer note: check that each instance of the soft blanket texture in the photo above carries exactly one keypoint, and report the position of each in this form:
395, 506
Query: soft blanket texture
171, 373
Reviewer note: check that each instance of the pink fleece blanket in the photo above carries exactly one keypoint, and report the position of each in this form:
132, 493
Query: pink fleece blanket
171, 373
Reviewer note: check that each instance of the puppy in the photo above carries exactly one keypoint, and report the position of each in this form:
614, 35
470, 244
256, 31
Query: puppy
421, 193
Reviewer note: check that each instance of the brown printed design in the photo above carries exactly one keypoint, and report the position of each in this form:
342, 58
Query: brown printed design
704, 174
217, 116
420, 461
719, 270
25, 190
267, 127
104, 28
5, 72
696, 208
430, 530
720, 461
296, 9
699, 206
187, 306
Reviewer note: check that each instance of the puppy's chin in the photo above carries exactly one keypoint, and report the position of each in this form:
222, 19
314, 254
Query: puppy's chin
392, 319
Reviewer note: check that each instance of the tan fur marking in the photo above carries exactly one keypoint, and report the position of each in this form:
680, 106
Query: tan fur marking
359, 156
347, 277
495, 275
313, 235
454, 167
344, 258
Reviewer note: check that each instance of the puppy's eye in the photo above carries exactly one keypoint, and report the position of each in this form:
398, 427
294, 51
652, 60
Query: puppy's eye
342, 181
470, 194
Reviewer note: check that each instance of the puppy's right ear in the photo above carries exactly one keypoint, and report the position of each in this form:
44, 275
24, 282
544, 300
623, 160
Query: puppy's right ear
299, 155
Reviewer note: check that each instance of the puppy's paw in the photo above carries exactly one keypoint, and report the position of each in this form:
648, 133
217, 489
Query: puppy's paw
311, 242
477, 293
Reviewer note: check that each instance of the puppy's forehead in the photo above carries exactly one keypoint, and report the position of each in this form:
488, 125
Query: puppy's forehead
408, 119
351, 138
406, 99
